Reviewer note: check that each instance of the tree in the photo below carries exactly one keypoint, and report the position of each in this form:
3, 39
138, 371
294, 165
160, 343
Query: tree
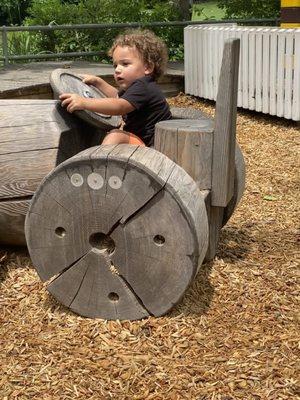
13, 11
43, 12
250, 8
185, 9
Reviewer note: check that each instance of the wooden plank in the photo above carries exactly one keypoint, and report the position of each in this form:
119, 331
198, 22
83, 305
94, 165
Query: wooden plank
33, 137
238, 35
215, 33
280, 73
28, 114
210, 57
225, 127
27, 102
273, 71
245, 67
21, 173
296, 86
239, 184
266, 70
188, 55
41, 126
193, 60
220, 53
252, 69
258, 70
289, 67
206, 67
12, 219
200, 63
215, 217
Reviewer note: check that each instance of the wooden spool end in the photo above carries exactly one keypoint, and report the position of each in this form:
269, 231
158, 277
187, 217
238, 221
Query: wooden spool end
119, 230
36, 136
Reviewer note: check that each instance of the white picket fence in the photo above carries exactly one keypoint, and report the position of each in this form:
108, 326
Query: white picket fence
269, 74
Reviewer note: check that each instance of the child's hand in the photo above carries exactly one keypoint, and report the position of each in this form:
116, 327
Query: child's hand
72, 101
90, 79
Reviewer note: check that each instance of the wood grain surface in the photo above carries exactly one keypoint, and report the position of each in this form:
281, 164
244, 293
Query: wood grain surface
188, 142
119, 230
225, 126
35, 137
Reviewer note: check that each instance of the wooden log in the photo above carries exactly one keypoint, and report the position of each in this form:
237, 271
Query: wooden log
188, 142
35, 136
120, 232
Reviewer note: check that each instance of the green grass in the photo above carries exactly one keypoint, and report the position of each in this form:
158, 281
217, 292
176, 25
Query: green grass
207, 10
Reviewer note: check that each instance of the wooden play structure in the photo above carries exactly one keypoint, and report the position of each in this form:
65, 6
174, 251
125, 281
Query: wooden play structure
120, 232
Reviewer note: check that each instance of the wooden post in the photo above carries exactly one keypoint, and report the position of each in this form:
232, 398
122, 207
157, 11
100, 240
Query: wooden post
225, 126
207, 151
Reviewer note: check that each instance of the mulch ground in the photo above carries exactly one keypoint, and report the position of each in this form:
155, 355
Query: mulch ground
235, 335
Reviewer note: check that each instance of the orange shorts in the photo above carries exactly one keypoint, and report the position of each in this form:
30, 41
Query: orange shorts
116, 136
133, 139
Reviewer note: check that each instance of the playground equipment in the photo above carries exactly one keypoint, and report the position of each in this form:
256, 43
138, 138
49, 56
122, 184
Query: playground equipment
63, 81
119, 232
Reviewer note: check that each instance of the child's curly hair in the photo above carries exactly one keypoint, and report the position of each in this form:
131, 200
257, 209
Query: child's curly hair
151, 48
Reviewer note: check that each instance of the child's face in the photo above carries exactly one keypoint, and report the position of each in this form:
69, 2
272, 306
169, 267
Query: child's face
129, 66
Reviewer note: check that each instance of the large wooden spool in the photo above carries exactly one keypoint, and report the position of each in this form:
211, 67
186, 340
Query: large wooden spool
119, 231
35, 136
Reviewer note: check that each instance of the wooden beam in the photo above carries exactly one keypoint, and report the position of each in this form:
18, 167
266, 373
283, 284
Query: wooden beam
225, 126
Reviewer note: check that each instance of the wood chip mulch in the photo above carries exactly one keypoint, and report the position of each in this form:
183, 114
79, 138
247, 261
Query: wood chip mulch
235, 335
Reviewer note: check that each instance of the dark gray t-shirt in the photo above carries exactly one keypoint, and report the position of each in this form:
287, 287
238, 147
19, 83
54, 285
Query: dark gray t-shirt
150, 107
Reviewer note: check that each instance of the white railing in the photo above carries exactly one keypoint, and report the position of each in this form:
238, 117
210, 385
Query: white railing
269, 75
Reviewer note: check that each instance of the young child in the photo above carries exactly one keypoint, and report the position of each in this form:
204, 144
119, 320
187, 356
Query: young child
139, 59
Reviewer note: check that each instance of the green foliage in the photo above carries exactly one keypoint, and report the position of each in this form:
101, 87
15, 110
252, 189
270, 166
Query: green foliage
21, 43
13, 11
44, 12
207, 10
250, 8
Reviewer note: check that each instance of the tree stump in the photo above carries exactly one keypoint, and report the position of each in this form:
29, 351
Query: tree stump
118, 231
63, 81
35, 136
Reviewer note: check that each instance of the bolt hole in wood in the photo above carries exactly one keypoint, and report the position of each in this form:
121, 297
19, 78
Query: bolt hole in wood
159, 240
102, 242
113, 297
60, 232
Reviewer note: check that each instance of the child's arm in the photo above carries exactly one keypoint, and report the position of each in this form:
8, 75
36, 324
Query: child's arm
109, 106
100, 84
